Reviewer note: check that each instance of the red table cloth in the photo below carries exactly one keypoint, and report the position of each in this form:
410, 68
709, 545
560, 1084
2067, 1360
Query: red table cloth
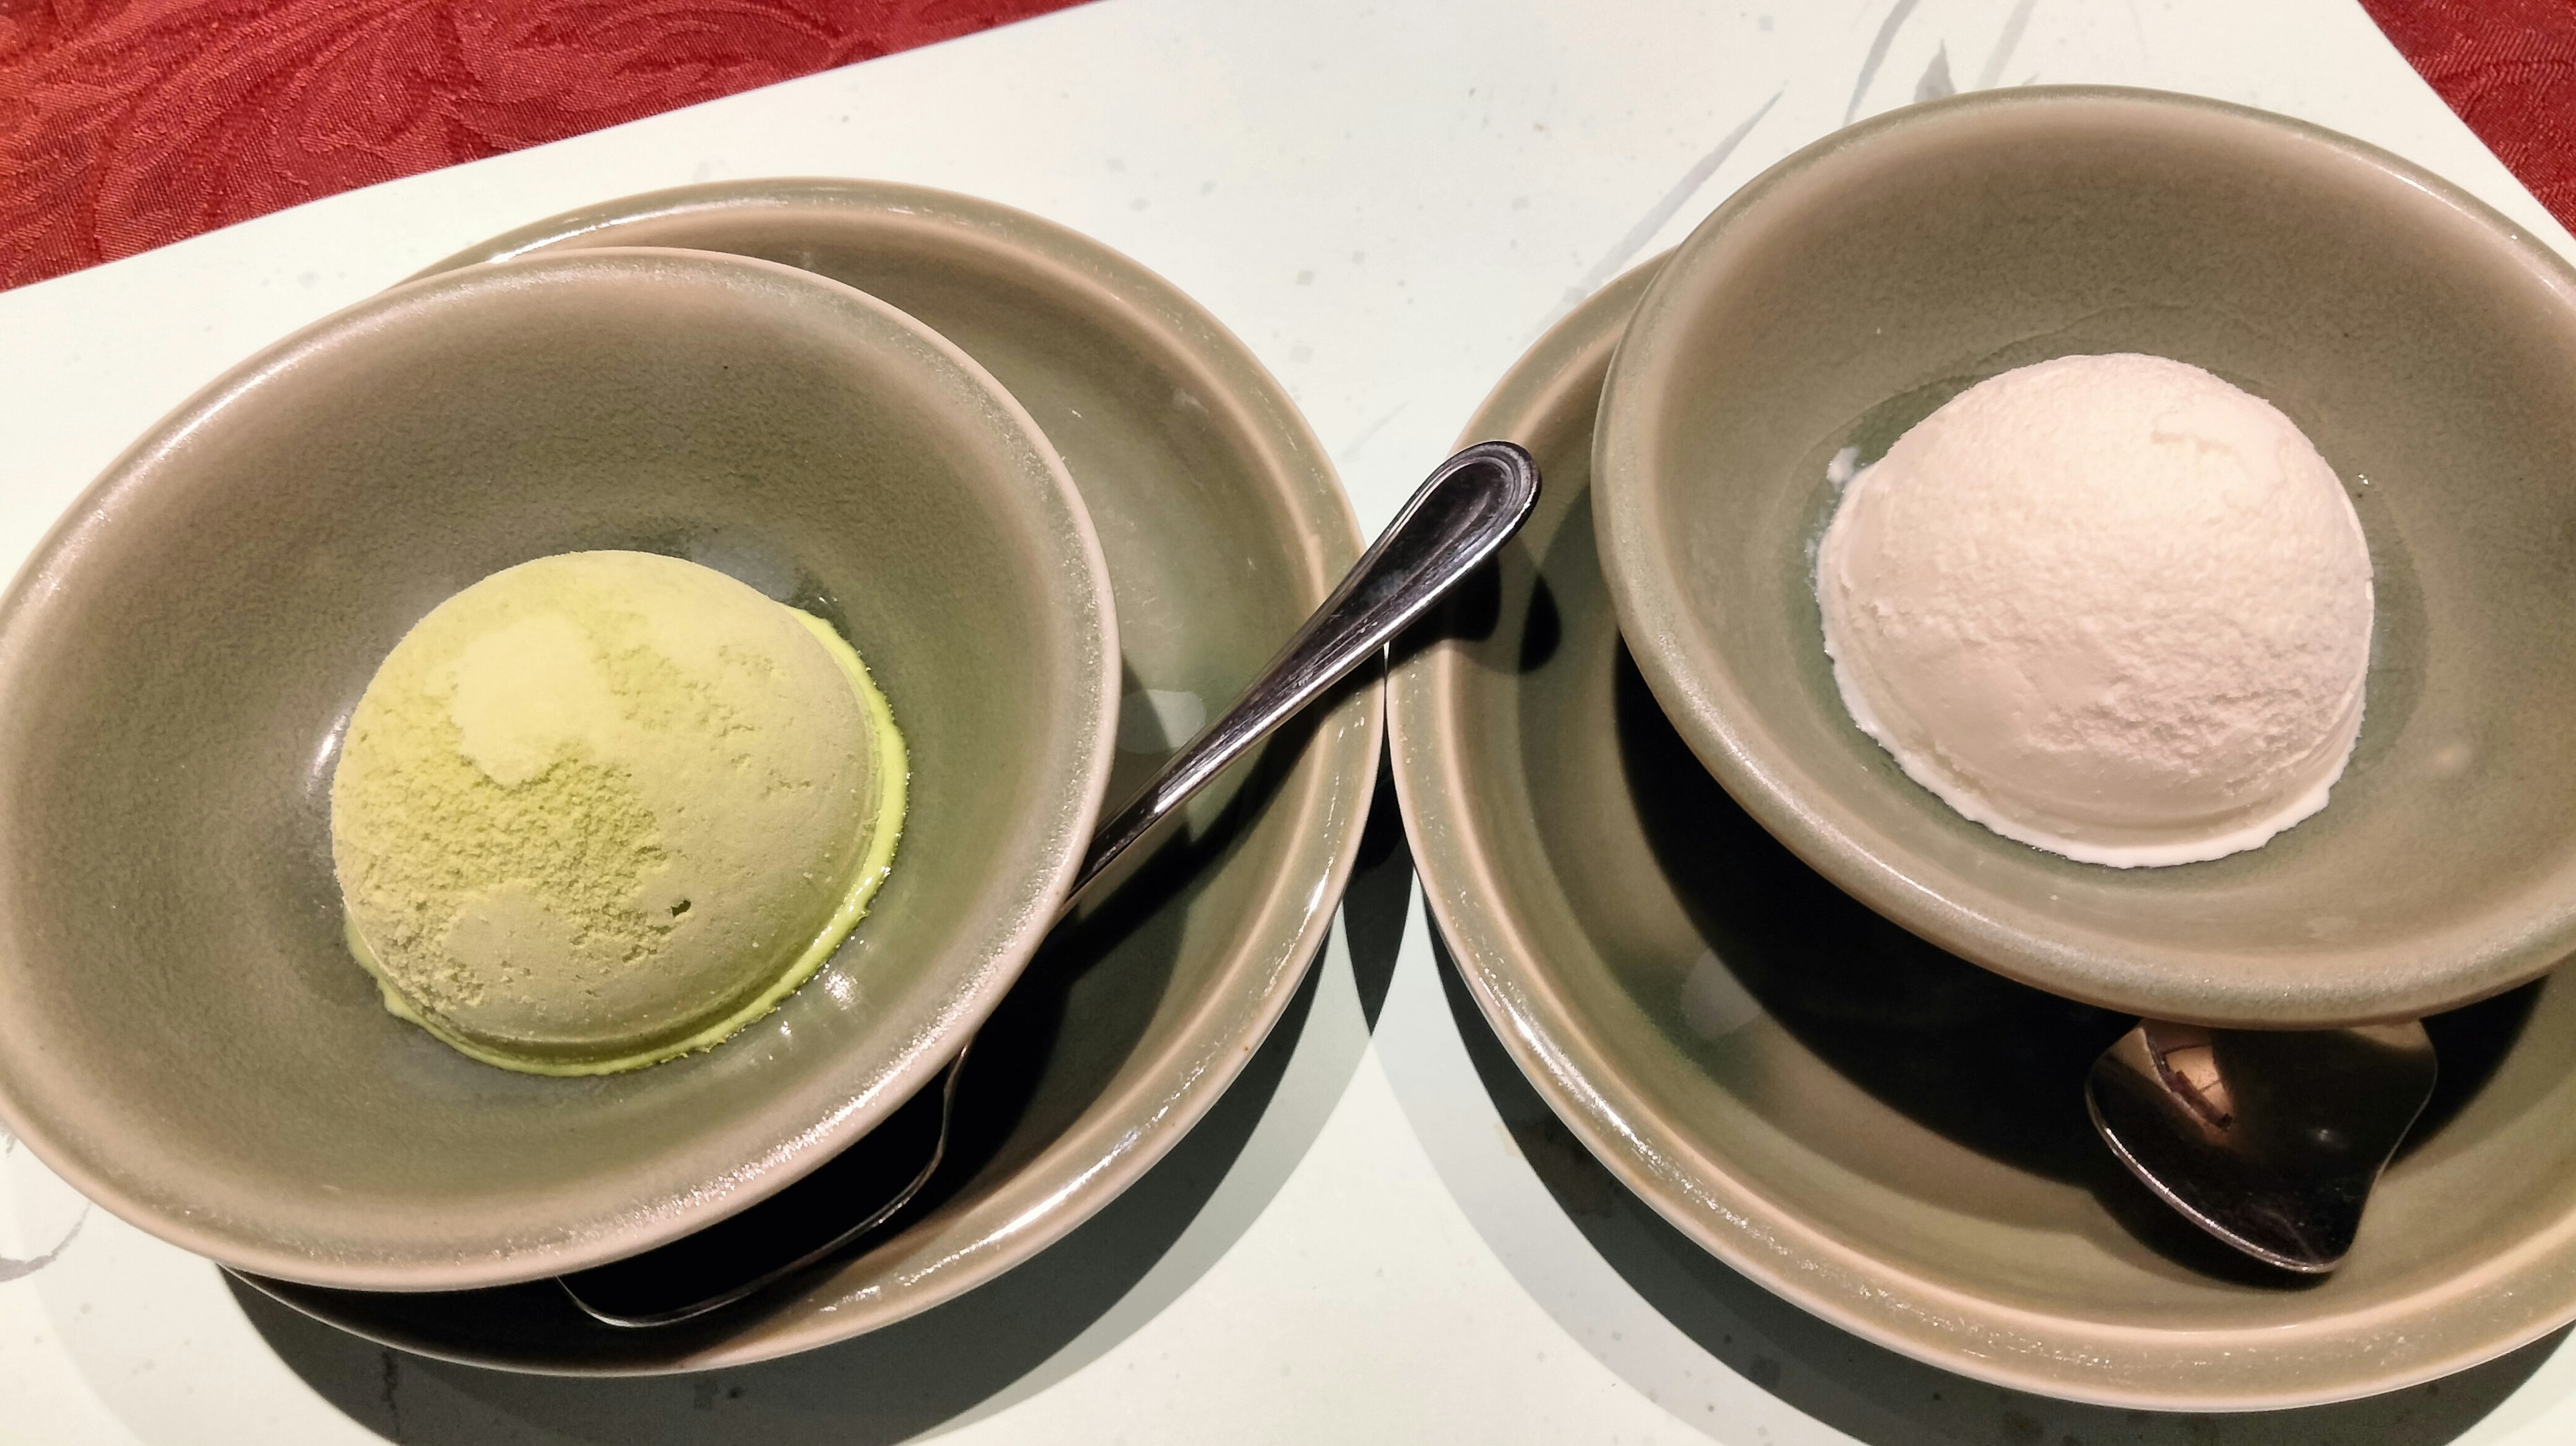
2508, 68
128, 124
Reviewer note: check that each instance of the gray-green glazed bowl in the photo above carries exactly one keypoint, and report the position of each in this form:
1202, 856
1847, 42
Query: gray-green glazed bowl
2425, 346
1889, 1137
183, 1034
1224, 527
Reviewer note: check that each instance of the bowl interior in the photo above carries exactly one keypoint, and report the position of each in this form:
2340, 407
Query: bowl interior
2428, 350
182, 1032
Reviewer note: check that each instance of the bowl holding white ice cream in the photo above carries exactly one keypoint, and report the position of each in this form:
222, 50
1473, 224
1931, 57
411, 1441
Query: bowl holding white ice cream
2129, 540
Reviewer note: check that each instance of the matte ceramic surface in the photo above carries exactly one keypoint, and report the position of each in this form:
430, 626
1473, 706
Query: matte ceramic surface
2427, 349
1885, 1134
1223, 525
183, 1034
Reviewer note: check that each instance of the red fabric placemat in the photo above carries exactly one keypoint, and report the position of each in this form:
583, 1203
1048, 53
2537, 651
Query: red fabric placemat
129, 124
2508, 68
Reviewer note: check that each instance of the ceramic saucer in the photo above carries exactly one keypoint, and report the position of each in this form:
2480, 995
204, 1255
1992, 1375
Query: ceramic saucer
1880, 1132
1223, 526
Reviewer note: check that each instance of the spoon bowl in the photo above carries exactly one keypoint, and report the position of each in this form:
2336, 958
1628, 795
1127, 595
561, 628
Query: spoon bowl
2269, 1140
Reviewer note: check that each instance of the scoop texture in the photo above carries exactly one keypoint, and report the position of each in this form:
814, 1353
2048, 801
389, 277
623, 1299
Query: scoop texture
603, 808
2110, 606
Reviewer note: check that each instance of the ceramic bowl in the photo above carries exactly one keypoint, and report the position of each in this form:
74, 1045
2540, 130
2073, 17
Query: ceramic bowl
1139, 1018
1892, 1138
182, 1032
2427, 347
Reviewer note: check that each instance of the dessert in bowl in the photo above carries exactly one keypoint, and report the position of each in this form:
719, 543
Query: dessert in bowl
602, 809
2422, 344
186, 1034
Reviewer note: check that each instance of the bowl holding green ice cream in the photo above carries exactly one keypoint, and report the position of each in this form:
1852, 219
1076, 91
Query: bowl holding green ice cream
533, 763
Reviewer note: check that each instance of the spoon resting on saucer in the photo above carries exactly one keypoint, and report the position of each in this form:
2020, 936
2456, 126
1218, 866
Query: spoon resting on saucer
2268, 1139
1469, 506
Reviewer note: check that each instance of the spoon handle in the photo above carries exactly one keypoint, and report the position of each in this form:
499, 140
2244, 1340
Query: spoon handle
1460, 516
1471, 503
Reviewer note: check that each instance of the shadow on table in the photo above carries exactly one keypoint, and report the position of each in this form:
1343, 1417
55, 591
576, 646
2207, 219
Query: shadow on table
916, 1374
1872, 1393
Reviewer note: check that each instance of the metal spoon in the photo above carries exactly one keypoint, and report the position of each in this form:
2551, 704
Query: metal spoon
1468, 507
2269, 1140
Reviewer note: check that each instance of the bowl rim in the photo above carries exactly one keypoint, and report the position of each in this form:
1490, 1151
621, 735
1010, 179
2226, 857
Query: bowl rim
867, 1095
2423, 974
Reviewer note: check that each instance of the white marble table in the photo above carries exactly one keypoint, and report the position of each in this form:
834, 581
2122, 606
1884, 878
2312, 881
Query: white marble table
1380, 1236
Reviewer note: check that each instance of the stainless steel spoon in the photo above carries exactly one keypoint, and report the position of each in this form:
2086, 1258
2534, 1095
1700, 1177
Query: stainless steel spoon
1468, 507
2269, 1140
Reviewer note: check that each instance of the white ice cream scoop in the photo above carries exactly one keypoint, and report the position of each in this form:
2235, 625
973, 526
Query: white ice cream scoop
2110, 606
